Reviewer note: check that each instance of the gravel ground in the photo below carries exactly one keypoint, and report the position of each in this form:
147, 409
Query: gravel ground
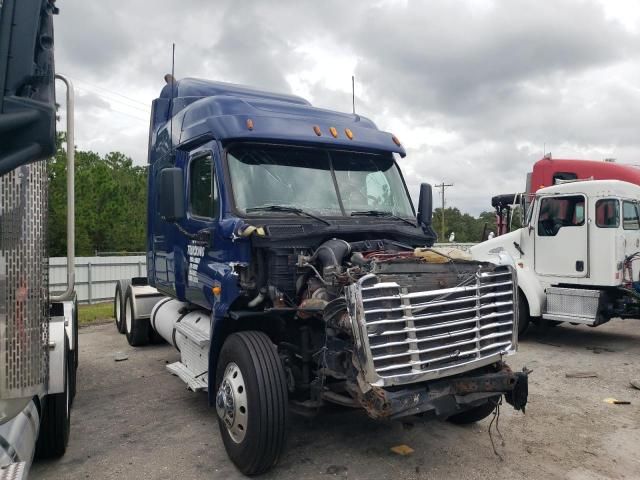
133, 420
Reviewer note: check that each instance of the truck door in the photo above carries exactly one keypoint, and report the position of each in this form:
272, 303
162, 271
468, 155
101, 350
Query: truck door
203, 208
561, 240
631, 229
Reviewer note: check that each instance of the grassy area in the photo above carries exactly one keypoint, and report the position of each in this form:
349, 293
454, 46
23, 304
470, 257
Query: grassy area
96, 313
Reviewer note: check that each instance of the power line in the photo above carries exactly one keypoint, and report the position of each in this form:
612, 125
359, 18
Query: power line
139, 106
113, 100
112, 92
442, 186
109, 97
145, 120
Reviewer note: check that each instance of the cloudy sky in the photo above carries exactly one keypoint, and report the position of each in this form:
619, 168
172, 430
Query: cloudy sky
476, 90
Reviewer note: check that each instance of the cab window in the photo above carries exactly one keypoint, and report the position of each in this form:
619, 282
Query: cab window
203, 192
530, 210
608, 213
630, 215
560, 177
560, 212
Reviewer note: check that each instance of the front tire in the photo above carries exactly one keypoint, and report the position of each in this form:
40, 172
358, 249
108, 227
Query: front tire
251, 401
474, 414
524, 318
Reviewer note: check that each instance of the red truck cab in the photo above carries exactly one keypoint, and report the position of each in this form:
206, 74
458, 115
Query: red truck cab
551, 171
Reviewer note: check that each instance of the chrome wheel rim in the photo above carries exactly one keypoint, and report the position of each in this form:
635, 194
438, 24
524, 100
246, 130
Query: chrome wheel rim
231, 402
117, 312
127, 316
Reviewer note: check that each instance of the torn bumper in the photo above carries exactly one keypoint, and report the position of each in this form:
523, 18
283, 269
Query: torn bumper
443, 398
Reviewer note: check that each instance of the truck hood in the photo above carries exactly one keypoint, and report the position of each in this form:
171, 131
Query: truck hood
491, 250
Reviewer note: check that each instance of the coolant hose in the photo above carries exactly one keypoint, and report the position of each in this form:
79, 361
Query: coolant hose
332, 252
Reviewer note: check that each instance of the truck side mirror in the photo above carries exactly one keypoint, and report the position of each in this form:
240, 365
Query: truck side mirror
171, 194
425, 205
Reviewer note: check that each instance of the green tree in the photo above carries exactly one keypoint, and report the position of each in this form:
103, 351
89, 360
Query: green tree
486, 223
466, 227
517, 218
110, 203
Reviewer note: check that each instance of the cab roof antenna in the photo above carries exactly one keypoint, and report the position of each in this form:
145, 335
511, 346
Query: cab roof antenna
353, 93
170, 78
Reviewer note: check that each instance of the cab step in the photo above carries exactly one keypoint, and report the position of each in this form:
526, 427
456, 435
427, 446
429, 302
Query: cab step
14, 471
576, 305
196, 382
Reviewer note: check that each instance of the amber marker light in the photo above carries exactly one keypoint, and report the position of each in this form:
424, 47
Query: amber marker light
348, 133
249, 124
316, 129
395, 140
334, 132
216, 290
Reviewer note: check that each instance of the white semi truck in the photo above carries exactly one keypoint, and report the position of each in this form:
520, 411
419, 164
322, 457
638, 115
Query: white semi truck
38, 331
577, 254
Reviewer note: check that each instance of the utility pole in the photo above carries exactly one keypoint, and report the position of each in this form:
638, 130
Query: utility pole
442, 186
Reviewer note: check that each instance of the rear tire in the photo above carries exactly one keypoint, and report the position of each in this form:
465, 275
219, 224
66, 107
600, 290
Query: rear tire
56, 416
251, 401
524, 318
474, 414
118, 303
154, 337
137, 330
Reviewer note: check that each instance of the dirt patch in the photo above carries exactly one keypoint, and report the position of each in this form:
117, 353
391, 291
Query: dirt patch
134, 420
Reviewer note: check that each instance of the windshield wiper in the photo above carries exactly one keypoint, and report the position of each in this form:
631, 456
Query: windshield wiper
380, 213
282, 208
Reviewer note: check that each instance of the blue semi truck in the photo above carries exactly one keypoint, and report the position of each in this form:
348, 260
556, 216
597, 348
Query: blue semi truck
286, 263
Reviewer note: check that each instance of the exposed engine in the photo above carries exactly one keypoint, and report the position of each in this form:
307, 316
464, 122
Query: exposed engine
426, 310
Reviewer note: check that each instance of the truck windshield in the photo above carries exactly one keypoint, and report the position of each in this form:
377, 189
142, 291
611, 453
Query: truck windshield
324, 182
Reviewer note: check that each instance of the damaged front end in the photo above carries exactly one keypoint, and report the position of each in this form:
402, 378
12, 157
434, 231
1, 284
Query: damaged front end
447, 397
434, 351
389, 328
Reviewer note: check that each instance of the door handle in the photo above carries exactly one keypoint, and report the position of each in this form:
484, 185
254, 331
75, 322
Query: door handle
204, 235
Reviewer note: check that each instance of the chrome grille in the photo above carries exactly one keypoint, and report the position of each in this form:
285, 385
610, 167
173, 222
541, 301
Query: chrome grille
24, 270
405, 336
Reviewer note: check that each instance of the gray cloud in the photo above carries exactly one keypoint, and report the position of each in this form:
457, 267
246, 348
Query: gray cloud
94, 37
91, 101
501, 78
449, 59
